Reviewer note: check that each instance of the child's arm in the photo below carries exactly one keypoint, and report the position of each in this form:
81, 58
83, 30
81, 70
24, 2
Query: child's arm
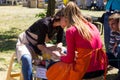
114, 47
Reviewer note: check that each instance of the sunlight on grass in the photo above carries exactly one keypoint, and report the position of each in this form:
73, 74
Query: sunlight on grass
2, 59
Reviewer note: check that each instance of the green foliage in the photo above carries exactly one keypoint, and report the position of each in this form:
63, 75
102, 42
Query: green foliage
41, 15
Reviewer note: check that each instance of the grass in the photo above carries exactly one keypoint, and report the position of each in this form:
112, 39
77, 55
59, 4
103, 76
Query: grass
13, 21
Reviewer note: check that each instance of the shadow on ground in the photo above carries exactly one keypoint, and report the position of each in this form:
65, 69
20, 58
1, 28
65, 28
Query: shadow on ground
8, 39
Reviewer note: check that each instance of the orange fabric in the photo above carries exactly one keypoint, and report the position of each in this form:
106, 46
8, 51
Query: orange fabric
98, 60
77, 69
73, 71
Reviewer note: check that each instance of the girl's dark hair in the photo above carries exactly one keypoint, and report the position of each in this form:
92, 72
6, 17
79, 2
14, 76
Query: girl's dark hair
58, 15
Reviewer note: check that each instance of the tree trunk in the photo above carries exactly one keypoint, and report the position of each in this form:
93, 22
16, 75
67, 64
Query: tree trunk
51, 8
71, 0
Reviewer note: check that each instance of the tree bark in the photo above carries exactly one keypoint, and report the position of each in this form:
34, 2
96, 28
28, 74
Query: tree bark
71, 0
50, 8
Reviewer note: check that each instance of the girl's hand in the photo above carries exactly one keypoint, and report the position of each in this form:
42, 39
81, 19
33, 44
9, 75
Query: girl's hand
59, 45
63, 54
56, 53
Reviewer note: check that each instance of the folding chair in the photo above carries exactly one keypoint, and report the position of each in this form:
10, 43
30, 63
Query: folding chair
10, 75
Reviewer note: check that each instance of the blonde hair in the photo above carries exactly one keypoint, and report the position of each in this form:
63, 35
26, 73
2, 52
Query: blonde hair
74, 16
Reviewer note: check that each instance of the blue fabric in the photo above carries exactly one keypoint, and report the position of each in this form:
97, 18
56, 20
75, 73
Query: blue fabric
99, 3
106, 30
118, 50
113, 4
114, 61
88, 2
27, 67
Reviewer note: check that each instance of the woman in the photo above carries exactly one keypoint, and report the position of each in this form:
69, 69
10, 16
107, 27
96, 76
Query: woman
32, 42
83, 42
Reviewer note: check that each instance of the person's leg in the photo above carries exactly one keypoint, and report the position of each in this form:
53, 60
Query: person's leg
99, 4
112, 60
83, 4
118, 56
27, 67
115, 61
118, 50
88, 4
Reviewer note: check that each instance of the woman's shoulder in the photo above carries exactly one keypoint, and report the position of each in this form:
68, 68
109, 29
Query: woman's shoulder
45, 19
93, 27
72, 28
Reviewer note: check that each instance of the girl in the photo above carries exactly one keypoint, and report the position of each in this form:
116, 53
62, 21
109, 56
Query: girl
114, 43
83, 41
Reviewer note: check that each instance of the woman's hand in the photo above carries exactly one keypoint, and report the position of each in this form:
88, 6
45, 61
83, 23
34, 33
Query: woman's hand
56, 55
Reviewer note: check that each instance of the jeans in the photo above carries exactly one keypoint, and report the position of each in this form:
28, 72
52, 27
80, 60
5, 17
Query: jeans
88, 3
114, 61
118, 50
27, 67
106, 30
100, 4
